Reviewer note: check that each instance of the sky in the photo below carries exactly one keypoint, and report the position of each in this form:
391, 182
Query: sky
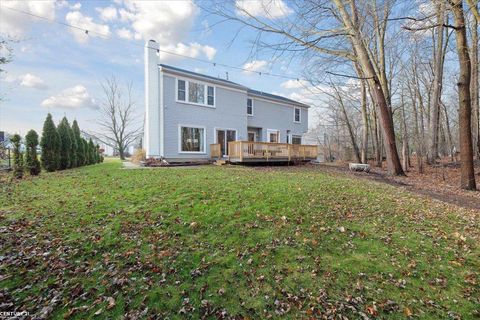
60, 69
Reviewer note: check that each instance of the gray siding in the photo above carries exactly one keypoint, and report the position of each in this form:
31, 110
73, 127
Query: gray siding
271, 115
229, 113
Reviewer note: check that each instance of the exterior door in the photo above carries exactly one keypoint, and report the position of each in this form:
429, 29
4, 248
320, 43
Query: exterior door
273, 136
296, 140
224, 137
251, 136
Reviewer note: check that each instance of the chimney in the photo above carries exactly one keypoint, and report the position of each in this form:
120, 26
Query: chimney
152, 107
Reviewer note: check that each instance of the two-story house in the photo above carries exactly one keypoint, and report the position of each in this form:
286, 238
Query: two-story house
189, 114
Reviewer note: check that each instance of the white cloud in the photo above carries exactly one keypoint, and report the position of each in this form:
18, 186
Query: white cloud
72, 98
295, 84
76, 6
255, 66
124, 33
125, 15
167, 22
207, 30
107, 13
32, 81
262, 8
25, 80
61, 3
192, 50
164, 21
15, 23
77, 19
305, 92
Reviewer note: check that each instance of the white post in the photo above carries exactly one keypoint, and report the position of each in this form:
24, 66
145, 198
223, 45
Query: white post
152, 101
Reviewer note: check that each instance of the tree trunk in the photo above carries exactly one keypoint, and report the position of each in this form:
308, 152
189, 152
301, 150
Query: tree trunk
449, 132
364, 154
405, 147
363, 92
418, 139
121, 153
351, 134
465, 112
394, 166
437, 86
475, 86
377, 141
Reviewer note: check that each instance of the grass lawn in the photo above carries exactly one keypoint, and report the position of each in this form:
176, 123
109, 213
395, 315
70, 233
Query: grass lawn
232, 242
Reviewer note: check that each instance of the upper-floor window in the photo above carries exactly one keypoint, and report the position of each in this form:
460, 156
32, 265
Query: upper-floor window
210, 96
195, 92
296, 115
250, 107
181, 90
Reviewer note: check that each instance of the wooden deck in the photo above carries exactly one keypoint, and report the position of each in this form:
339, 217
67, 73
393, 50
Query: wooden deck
247, 151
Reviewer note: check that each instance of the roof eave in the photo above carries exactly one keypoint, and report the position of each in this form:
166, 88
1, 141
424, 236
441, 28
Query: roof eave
202, 78
282, 101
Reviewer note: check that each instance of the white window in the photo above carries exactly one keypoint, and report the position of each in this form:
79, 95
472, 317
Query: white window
191, 139
296, 139
210, 96
296, 115
250, 107
195, 93
181, 90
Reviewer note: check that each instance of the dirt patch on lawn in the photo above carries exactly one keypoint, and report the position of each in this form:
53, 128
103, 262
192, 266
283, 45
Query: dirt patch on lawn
426, 186
440, 182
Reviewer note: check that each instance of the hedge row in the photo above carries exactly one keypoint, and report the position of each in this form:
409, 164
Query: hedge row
62, 148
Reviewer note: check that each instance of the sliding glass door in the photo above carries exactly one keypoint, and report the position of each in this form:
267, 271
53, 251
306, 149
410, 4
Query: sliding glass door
224, 137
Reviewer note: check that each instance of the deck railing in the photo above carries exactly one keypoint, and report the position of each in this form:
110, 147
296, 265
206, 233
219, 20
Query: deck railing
215, 151
248, 150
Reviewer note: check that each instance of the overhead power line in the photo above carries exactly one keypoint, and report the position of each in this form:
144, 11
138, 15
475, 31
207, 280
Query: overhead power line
108, 37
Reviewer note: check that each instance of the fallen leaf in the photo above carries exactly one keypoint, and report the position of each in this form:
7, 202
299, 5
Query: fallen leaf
407, 312
111, 303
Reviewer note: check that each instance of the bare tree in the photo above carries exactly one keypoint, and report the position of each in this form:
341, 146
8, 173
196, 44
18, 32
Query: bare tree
118, 121
438, 61
333, 29
474, 85
467, 173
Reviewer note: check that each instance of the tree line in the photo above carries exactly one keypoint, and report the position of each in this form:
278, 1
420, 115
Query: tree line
62, 147
382, 65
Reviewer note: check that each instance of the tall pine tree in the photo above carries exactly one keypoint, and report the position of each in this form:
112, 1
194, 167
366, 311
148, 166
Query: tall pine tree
74, 147
50, 144
99, 156
91, 151
80, 152
31, 159
17, 157
86, 153
65, 144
